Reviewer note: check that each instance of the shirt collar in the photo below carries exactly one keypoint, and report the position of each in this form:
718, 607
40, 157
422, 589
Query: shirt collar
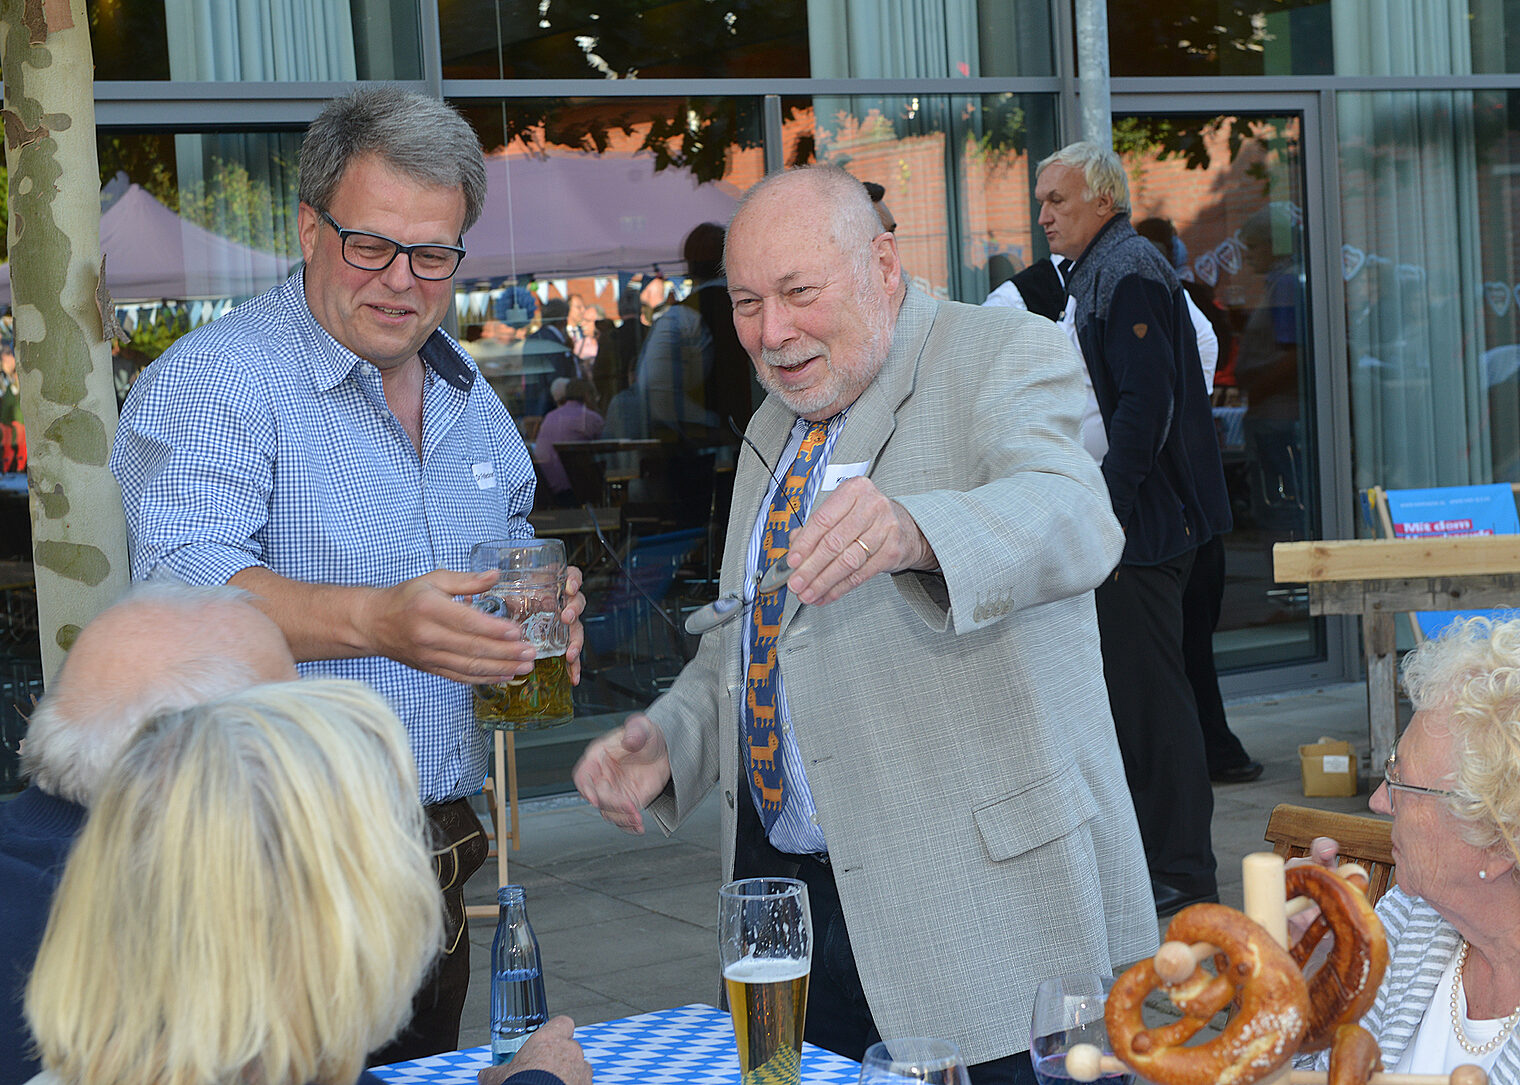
332, 363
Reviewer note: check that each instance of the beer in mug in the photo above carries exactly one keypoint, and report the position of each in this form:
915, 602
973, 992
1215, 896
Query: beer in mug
529, 590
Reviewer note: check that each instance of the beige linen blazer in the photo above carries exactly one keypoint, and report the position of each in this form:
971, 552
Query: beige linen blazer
955, 728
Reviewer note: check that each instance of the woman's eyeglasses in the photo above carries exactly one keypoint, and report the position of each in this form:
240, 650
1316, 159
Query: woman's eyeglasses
1391, 778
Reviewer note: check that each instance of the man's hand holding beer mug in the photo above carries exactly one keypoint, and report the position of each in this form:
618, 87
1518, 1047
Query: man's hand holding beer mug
765, 942
531, 589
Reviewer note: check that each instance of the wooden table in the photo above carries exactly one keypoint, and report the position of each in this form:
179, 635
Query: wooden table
1380, 578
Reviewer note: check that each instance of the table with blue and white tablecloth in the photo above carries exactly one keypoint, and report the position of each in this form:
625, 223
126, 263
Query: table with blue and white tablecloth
688, 1045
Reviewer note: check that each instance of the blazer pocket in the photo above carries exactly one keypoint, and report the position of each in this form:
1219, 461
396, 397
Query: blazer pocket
1034, 815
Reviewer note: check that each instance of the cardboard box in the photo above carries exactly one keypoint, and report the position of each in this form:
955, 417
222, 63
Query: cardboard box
1329, 768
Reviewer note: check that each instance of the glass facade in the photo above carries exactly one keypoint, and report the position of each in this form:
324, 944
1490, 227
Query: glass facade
1174, 38
255, 40
1235, 210
1432, 285
743, 39
1360, 239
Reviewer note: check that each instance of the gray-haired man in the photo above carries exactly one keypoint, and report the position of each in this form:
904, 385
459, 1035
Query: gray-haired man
329, 448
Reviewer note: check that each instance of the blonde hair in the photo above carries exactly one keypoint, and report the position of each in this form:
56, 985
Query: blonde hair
1471, 674
252, 899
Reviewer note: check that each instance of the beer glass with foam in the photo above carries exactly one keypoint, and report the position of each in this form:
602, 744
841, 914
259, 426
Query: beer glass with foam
765, 942
530, 590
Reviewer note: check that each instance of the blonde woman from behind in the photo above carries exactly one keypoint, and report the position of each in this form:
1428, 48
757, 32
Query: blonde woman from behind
251, 902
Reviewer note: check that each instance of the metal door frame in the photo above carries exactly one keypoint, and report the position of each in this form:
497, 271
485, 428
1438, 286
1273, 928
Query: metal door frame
1327, 310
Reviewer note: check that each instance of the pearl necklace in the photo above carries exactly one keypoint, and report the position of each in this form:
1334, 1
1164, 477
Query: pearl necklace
1456, 1014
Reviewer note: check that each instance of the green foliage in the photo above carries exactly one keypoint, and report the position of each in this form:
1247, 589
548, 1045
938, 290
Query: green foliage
242, 207
151, 337
147, 158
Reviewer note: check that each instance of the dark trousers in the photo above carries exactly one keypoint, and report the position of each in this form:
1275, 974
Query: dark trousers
459, 849
838, 1016
1201, 601
1140, 629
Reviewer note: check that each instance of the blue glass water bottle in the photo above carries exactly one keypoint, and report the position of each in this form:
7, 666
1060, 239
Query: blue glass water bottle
518, 1006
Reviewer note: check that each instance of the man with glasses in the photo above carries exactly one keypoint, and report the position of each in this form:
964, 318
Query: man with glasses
328, 448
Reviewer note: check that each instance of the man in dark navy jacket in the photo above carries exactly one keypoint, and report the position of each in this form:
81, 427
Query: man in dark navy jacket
1166, 483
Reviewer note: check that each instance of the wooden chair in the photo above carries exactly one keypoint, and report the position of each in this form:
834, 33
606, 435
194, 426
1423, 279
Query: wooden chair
1364, 840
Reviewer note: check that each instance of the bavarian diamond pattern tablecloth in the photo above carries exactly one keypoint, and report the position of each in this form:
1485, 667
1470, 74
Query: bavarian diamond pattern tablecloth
689, 1045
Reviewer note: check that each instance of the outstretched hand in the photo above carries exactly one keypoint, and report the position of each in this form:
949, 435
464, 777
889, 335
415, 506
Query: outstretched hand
422, 623
622, 771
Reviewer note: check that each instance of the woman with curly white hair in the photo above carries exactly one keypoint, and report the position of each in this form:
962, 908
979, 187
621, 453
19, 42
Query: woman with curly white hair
1452, 991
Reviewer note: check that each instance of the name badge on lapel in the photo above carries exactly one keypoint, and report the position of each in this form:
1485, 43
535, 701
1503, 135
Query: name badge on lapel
485, 475
836, 473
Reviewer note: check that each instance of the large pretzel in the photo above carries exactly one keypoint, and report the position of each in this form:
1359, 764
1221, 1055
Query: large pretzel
1262, 1034
1342, 989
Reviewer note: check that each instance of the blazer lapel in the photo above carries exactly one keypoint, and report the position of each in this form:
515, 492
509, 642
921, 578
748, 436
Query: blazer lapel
873, 416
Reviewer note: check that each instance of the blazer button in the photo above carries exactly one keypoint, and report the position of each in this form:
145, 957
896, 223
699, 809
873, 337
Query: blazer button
728, 797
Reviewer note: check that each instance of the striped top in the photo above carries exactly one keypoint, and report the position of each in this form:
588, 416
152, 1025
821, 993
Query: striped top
1420, 946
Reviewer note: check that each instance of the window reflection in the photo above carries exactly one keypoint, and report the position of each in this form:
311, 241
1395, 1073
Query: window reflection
592, 299
1230, 187
743, 39
190, 225
957, 175
1432, 287
623, 39
1312, 37
254, 40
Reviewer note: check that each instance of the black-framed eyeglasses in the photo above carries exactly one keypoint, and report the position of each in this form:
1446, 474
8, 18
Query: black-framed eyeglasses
375, 252
1391, 778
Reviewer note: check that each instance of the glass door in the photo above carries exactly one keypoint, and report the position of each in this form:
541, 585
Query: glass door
1225, 195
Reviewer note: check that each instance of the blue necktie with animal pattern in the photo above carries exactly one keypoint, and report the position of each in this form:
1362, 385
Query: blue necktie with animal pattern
762, 734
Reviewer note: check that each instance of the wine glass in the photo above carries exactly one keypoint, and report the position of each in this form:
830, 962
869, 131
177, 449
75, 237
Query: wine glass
913, 1058
765, 942
1068, 1011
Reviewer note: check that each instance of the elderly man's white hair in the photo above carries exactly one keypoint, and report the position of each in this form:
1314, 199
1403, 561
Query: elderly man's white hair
164, 645
1102, 172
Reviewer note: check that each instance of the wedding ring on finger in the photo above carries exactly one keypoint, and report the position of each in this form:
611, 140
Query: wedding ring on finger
862, 544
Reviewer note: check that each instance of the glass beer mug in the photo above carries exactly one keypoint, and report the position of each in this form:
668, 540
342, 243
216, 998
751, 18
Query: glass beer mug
530, 590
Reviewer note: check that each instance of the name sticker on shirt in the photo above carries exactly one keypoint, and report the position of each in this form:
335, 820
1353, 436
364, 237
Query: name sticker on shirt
485, 475
836, 473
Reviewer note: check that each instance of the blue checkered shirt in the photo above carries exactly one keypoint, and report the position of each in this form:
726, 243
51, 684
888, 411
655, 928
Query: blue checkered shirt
258, 440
